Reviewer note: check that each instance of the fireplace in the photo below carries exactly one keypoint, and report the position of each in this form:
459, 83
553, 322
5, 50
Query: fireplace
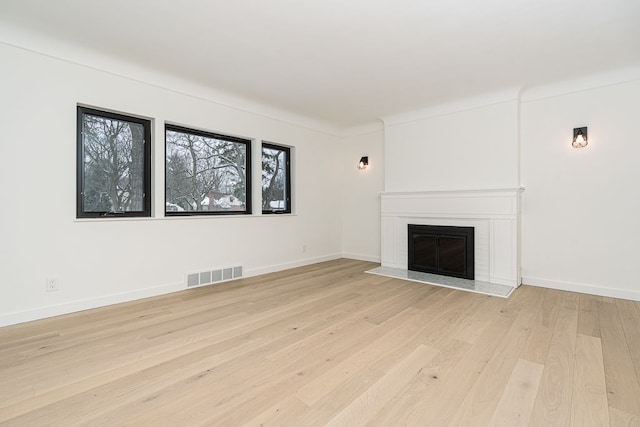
493, 214
445, 250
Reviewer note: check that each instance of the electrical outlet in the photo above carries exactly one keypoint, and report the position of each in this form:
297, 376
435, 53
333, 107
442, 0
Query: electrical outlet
51, 284
304, 248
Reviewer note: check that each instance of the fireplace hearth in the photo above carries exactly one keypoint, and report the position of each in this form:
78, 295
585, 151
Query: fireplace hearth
444, 250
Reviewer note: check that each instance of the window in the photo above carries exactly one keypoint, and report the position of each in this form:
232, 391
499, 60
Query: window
206, 173
113, 165
276, 179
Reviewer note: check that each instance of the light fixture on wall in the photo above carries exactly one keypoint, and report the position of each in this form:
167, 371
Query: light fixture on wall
363, 163
580, 137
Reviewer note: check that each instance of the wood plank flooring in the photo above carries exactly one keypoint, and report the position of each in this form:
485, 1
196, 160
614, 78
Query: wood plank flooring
329, 345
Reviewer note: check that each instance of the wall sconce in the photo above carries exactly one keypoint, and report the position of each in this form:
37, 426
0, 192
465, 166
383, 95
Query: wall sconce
580, 137
363, 163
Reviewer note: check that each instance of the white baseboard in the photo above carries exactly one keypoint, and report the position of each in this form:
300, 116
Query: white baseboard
582, 288
287, 265
13, 318
361, 257
86, 304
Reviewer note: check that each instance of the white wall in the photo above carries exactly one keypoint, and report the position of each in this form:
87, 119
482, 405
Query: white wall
581, 207
580, 225
584, 200
105, 261
466, 149
361, 195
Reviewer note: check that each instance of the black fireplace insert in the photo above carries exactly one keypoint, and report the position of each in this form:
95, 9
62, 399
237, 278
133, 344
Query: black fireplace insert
444, 250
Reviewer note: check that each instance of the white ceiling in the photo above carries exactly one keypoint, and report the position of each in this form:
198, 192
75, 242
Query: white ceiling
347, 62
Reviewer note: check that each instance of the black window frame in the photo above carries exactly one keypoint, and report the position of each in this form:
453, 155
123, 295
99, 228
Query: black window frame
147, 196
248, 167
288, 183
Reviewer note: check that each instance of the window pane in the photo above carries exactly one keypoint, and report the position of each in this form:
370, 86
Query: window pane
276, 179
113, 160
205, 173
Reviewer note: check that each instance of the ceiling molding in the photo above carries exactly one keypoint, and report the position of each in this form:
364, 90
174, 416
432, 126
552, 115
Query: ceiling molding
363, 129
73, 54
609, 78
336, 68
470, 103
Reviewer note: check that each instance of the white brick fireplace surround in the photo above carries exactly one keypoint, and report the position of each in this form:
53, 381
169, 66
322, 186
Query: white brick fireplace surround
494, 214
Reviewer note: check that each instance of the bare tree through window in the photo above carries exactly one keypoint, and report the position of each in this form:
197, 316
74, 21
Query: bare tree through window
206, 172
276, 179
113, 164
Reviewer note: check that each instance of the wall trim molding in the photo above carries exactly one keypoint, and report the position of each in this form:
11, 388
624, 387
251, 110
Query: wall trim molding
455, 106
580, 84
87, 304
288, 265
582, 288
29, 315
79, 56
361, 257
106, 300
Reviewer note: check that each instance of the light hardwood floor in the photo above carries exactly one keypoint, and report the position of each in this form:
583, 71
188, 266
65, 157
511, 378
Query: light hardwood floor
328, 344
